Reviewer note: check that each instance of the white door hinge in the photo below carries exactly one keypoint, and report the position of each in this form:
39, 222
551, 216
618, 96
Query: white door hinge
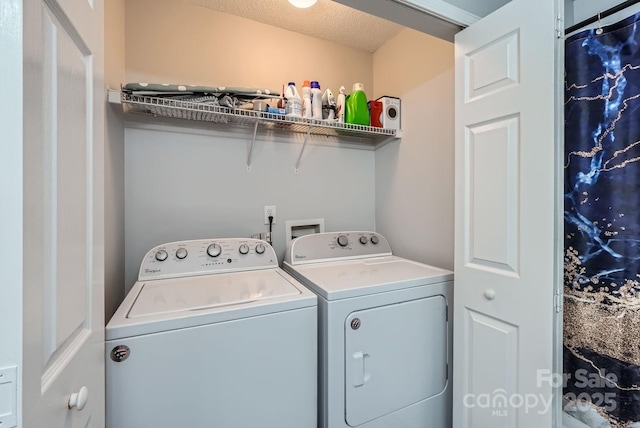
557, 300
559, 27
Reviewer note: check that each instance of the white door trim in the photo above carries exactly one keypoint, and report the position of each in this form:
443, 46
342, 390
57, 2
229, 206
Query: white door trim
11, 257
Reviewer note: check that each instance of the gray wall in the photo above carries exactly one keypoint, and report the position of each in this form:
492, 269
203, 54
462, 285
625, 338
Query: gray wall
583, 9
579, 10
415, 177
114, 50
188, 184
478, 8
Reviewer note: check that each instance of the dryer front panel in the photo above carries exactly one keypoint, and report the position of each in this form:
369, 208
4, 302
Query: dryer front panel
395, 356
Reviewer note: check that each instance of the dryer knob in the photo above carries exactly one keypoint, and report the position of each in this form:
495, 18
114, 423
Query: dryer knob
375, 239
363, 240
244, 249
161, 255
260, 248
181, 253
214, 250
343, 241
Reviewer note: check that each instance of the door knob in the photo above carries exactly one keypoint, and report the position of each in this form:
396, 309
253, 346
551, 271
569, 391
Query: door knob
79, 399
489, 294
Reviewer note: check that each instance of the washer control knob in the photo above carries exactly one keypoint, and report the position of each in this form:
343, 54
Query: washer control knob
374, 239
244, 249
181, 253
343, 241
214, 250
161, 255
260, 248
363, 240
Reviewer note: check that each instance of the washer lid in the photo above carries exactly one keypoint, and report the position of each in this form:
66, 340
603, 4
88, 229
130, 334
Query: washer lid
169, 304
345, 279
208, 291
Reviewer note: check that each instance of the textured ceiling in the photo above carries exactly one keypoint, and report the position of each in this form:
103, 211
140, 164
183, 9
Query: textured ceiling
326, 20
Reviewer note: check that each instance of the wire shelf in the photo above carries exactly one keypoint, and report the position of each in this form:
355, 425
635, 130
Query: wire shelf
199, 111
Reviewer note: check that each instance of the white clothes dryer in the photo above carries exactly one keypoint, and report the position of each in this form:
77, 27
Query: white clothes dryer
385, 339
213, 334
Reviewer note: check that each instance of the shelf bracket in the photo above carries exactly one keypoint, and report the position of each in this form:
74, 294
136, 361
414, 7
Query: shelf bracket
306, 138
253, 141
114, 97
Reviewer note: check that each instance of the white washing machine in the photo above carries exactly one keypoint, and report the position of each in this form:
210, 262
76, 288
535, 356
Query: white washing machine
213, 334
385, 336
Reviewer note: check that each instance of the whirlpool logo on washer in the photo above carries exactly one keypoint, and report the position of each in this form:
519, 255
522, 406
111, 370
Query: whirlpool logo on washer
152, 270
298, 256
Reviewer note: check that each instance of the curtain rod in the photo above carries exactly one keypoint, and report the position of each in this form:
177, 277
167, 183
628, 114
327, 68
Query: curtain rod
601, 15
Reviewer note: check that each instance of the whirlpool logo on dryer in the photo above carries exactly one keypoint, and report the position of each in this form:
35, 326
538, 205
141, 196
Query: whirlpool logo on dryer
298, 256
152, 270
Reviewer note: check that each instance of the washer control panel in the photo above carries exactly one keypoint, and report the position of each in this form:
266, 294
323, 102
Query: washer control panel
206, 256
336, 245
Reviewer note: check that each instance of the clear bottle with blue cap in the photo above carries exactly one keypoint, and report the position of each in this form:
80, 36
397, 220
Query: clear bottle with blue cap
316, 100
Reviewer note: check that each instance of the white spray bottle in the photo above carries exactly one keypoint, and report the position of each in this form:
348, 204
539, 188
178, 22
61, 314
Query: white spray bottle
316, 101
306, 99
341, 105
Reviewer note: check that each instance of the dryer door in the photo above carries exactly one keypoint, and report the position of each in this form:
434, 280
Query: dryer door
395, 356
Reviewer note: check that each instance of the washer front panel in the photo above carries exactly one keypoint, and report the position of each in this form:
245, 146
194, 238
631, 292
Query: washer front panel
251, 372
335, 319
395, 356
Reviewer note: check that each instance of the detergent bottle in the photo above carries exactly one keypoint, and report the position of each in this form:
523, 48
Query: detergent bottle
306, 99
356, 104
316, 101
294, 103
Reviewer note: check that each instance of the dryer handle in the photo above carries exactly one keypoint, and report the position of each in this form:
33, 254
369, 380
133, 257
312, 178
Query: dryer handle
361, 368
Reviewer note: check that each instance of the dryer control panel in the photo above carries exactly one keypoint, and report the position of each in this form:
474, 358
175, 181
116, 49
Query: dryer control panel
322, 247
206, 256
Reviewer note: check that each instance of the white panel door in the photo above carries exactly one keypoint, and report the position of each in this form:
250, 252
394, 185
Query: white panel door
506, 255
63, 338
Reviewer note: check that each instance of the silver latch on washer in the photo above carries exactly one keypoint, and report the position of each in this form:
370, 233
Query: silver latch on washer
355, 323
120, 353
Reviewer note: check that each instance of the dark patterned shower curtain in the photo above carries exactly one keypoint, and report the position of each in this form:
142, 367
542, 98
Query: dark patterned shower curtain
602, 225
